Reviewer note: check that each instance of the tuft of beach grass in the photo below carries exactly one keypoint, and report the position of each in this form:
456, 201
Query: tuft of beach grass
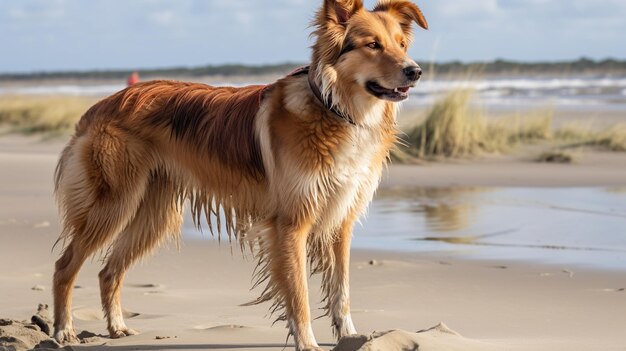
452, 128
608, 139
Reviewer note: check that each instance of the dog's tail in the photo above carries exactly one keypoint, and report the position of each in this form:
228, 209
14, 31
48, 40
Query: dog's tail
59, 173
60, 168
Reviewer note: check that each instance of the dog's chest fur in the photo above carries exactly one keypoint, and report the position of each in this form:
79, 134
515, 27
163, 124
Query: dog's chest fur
353, 178
326, 169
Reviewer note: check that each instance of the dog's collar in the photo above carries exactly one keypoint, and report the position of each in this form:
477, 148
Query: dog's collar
328, 103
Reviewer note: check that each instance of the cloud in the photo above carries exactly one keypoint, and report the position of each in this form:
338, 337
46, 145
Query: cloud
467, 9
28, 11
162, 18
244, 18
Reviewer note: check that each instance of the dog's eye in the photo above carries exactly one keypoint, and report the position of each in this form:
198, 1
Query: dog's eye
375, 45
403, 45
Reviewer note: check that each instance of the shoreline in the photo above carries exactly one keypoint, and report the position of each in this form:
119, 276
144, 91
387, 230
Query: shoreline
444, 257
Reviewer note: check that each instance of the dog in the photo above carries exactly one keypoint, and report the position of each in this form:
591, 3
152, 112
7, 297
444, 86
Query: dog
290, 166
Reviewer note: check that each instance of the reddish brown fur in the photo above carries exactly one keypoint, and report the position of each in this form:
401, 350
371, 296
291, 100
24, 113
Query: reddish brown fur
289, 175
216, 120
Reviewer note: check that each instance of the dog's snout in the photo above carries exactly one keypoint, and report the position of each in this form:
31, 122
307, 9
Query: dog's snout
413, 72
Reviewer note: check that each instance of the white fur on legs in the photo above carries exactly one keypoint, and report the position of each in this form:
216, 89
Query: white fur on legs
117, 327
344, 326
65, 333
109, 285
340, 313
305, 340
339, 289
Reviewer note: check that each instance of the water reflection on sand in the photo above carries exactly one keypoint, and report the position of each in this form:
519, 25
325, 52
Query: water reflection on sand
571, 226
580, 227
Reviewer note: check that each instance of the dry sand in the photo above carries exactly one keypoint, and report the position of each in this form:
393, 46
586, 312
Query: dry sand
190, 299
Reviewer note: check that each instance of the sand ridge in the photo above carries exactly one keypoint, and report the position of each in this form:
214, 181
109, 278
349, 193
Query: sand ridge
437, 338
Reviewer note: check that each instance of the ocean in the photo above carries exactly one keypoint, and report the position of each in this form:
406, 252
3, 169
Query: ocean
591, 93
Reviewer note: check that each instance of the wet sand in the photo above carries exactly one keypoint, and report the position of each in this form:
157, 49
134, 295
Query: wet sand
190, 299
594, 169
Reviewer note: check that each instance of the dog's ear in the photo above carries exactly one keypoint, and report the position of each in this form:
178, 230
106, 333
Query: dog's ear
407, 11
339, 11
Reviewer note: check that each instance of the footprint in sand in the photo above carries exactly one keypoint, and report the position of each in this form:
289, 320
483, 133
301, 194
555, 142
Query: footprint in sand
38, 288
220, 327
88, 314
356, 310
145, 286
154, 292
40, 225
159, 288
129, 314
95, 314
612, 290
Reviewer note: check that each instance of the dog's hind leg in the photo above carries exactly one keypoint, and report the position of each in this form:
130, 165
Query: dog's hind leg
66, 269
159, 215
94, 207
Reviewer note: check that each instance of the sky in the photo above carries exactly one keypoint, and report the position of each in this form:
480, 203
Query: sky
53, 35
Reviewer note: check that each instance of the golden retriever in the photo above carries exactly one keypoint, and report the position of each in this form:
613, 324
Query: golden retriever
291, 166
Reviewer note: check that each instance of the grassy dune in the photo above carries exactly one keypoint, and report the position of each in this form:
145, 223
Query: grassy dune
47, 115
456, 128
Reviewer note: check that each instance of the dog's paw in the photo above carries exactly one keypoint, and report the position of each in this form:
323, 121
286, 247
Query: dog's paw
66, 336
343, 326
120, 333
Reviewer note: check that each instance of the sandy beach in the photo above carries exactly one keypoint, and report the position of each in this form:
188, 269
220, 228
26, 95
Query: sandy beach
189, 299
499, 223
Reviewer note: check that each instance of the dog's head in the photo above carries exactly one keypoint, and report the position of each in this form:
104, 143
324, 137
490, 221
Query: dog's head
361, 55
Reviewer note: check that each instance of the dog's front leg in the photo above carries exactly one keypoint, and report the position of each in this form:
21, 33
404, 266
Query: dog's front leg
288, 269
339, 288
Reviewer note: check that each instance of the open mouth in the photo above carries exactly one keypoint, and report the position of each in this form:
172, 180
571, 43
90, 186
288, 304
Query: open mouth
396, 94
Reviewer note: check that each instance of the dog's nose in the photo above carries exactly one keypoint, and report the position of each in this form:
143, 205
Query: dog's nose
413, 72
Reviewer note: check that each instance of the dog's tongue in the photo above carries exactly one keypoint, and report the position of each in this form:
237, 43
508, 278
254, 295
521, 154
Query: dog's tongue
402, 90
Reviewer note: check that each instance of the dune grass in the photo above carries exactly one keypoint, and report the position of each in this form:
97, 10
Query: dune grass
530, 128
613, 139
49, 115
609, 139
456, 128
452, 128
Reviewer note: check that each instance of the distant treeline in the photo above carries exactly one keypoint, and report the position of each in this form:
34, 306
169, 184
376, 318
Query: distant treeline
218, 70
582, 66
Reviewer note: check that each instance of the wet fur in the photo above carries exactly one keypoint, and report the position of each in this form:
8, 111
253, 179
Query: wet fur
290, 177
